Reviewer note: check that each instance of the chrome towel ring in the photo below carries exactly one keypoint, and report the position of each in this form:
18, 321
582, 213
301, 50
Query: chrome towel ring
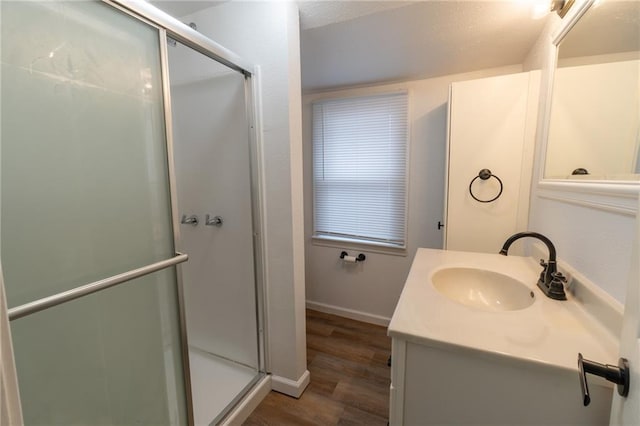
485, 174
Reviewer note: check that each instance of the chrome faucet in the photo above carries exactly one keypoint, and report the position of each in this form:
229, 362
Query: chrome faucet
550, 281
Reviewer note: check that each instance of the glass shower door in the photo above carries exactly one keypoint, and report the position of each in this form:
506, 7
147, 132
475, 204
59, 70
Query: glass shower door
212, 155
85, 196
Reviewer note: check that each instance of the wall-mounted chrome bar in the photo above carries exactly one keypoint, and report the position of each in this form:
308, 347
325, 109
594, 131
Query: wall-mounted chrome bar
57, 299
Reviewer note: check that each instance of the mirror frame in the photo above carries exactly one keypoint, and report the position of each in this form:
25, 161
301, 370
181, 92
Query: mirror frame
613, 196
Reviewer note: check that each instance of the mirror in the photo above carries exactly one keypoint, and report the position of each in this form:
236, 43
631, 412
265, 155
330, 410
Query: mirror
594, 128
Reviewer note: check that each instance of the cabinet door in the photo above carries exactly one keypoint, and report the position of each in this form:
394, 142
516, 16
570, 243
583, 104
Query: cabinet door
491, 126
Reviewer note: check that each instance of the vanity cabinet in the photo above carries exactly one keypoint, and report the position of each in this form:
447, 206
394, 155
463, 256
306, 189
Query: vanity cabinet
438, 385
458, 359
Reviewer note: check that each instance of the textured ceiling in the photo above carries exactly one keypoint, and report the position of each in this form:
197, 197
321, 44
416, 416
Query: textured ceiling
346, 43
315, 14
178, 8
421, 40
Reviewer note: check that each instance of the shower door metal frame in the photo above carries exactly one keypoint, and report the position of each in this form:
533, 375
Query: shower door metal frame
167, 25
170, 26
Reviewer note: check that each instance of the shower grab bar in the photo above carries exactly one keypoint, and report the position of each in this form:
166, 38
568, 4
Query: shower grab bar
57, 299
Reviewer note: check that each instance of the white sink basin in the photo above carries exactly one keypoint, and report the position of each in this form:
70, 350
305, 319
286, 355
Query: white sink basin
482, 289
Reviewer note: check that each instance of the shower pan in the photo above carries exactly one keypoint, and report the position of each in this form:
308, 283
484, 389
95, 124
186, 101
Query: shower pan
105, 313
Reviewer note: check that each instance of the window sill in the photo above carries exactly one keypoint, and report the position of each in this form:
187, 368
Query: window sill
368, 246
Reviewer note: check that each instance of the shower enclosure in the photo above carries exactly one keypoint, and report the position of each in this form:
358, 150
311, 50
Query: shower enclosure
99, 297
211, 131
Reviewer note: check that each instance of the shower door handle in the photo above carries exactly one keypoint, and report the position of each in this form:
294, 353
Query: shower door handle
84, 290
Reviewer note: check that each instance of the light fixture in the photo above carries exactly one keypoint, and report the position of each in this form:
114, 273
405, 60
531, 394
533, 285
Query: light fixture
539, 9
561, 6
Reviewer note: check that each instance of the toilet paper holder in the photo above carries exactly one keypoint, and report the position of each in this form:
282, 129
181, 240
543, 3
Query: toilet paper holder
360, 258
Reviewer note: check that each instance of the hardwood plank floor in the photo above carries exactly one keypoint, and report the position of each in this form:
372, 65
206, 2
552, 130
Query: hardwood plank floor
350, 378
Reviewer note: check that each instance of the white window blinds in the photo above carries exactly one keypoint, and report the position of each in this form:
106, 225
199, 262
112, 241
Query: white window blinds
360, 168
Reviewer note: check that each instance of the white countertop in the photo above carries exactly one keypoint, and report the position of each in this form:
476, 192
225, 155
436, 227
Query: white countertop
548, 332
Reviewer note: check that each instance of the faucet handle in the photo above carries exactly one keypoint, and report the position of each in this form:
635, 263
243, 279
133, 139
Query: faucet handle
557, 276
543, 273
189, 220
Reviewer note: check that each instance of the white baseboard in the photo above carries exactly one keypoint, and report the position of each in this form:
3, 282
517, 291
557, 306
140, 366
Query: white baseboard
349, 313
291, 387
250, 402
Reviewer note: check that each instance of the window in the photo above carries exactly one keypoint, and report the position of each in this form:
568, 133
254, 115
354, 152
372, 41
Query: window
360, 169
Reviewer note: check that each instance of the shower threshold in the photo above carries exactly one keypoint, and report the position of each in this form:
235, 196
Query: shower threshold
216, 384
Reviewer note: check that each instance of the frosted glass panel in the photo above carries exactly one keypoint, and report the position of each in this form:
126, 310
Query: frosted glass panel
85, 195
213, 176
84, 175
105, 359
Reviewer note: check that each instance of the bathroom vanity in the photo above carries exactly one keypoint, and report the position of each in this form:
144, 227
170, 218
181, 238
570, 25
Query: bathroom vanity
476, 342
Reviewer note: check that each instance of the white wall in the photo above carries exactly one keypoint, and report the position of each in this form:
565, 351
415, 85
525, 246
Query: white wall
595, 242
267, 34
370, 290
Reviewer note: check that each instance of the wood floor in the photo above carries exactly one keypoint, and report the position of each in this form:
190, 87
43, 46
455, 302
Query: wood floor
349, 377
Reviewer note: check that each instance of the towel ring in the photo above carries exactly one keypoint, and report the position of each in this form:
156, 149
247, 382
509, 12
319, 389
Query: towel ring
485, 174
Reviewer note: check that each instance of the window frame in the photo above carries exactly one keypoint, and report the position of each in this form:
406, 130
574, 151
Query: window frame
364, 243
